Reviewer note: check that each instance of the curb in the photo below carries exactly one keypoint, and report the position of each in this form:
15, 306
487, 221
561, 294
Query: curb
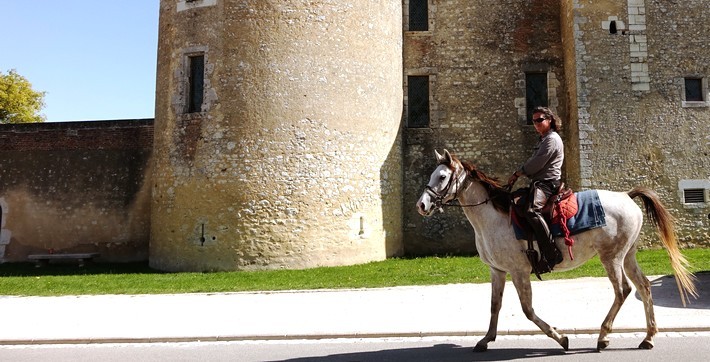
126, 340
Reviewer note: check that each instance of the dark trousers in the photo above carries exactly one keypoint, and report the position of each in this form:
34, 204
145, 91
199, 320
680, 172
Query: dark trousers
540, 192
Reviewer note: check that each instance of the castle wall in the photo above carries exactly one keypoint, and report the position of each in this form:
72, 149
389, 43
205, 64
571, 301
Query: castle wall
75, 187
293, 159
476, 54
635, 127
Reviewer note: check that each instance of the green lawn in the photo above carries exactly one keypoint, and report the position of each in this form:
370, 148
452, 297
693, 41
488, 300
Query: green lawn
138, 278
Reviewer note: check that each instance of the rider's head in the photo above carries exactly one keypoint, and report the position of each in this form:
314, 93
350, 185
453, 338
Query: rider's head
555, 121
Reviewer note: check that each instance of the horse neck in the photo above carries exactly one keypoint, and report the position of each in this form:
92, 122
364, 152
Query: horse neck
484, 216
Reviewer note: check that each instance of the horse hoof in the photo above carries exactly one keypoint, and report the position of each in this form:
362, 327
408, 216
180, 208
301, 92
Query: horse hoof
602, 344
480, 348
646, 345
564, 342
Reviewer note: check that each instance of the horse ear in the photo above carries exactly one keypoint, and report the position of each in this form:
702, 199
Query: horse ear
444, 159
439, 157
447, 157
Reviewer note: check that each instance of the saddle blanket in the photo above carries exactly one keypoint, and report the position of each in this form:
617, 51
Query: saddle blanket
590, 215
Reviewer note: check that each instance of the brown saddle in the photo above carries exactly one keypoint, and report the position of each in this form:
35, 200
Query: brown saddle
559, 207
562, 196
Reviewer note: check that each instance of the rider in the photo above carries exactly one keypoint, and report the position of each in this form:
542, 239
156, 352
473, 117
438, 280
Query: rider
544, 169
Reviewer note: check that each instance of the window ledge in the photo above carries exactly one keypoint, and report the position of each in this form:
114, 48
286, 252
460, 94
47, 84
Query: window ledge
695, 104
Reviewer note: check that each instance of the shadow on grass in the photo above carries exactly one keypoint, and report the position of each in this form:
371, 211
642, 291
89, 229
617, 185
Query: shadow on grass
67, 268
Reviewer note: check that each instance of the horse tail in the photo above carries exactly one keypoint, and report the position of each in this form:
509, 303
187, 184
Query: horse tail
663, 221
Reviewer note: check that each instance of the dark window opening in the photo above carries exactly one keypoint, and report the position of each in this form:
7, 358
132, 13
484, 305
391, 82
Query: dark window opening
418, 101
196, 83
694, 90
418, 15
612, 27
693, 196
535, 93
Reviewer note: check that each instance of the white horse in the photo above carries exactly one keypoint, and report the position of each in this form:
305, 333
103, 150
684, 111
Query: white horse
486, 205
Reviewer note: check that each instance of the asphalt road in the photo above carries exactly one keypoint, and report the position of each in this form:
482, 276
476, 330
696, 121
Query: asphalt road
687, 347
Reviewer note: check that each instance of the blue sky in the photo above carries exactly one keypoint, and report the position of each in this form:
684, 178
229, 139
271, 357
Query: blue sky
96, 59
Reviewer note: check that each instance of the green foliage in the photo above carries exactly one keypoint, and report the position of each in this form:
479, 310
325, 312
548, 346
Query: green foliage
19, 103
138, 278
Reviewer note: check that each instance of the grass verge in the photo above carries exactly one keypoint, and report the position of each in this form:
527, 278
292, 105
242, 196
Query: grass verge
23, 279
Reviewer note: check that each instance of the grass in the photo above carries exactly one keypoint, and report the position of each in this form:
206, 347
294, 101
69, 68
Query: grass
23, 279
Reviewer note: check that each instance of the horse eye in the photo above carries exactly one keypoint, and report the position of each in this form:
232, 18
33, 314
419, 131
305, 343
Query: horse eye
442, 177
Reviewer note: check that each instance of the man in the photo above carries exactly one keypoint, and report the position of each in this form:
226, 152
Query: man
544, 169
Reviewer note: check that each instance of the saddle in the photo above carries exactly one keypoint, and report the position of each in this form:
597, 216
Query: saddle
559, 207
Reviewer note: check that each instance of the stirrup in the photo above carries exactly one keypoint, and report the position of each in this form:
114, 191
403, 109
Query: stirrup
539, 265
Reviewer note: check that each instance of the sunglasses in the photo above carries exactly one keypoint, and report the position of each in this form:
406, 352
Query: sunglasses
539, 120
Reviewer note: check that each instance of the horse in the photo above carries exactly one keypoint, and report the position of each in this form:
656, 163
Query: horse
486, 205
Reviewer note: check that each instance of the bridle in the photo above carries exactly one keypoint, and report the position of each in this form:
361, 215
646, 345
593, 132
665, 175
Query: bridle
439, 197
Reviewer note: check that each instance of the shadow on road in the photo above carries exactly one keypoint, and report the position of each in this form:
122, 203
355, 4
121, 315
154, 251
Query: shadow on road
665, 292
443, 353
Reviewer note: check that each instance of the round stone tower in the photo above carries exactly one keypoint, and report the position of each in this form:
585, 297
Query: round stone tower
276, 134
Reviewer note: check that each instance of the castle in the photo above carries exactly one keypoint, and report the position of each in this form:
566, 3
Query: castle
294, 134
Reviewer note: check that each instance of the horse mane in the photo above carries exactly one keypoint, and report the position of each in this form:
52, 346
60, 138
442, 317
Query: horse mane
500, 197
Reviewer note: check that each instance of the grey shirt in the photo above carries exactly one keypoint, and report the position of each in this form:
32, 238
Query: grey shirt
546, 163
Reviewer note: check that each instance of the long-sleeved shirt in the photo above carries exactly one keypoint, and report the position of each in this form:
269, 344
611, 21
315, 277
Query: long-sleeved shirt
546, 163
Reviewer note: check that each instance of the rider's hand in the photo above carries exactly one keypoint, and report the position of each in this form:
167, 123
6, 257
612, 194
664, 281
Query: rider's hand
512, 179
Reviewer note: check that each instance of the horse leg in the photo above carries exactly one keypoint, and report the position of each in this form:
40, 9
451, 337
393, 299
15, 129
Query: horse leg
622, 289
524, 289
497, 286
643, 286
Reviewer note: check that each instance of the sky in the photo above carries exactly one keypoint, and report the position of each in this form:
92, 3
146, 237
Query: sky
96, 59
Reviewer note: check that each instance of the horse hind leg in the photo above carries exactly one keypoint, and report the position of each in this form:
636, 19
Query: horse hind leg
622, 289
522, 286
643, 286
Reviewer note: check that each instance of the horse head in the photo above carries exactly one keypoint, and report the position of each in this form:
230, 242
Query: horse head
443, 186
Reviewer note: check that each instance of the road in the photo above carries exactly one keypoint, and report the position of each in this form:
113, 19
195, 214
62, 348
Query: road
687, 347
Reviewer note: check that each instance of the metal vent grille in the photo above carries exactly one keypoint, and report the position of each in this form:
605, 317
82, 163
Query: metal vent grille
694, 196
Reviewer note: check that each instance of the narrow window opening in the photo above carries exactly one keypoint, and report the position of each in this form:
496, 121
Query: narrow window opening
694, 196
694, 90
612, 27
535, 93
418, 15
418, 101
196, 83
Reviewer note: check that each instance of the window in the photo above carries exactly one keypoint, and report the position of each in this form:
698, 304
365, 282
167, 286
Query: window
612, 27
694, 196
418, 15
694, 193
196, 83
418, 101
535, 93
694, 90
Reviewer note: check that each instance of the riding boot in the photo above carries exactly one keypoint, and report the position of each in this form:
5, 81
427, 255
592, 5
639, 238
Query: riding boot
545, 242
549, 254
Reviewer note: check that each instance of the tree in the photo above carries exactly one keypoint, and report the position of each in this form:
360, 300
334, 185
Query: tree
19, 103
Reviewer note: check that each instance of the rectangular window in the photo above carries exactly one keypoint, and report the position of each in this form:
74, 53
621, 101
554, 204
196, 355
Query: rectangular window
418, 15
535, 92
694, 90
196, 83
418, 101
694, 196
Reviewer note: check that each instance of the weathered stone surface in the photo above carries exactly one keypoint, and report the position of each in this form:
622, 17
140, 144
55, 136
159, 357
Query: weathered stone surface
294, 161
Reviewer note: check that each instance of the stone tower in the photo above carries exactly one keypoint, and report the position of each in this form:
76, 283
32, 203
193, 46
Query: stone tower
277, 134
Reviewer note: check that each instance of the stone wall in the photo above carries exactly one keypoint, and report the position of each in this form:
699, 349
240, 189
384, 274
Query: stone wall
635, 128
294, 158
76, 187
476, 54
619, 88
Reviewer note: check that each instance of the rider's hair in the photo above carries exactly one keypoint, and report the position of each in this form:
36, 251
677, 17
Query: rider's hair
555, 121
